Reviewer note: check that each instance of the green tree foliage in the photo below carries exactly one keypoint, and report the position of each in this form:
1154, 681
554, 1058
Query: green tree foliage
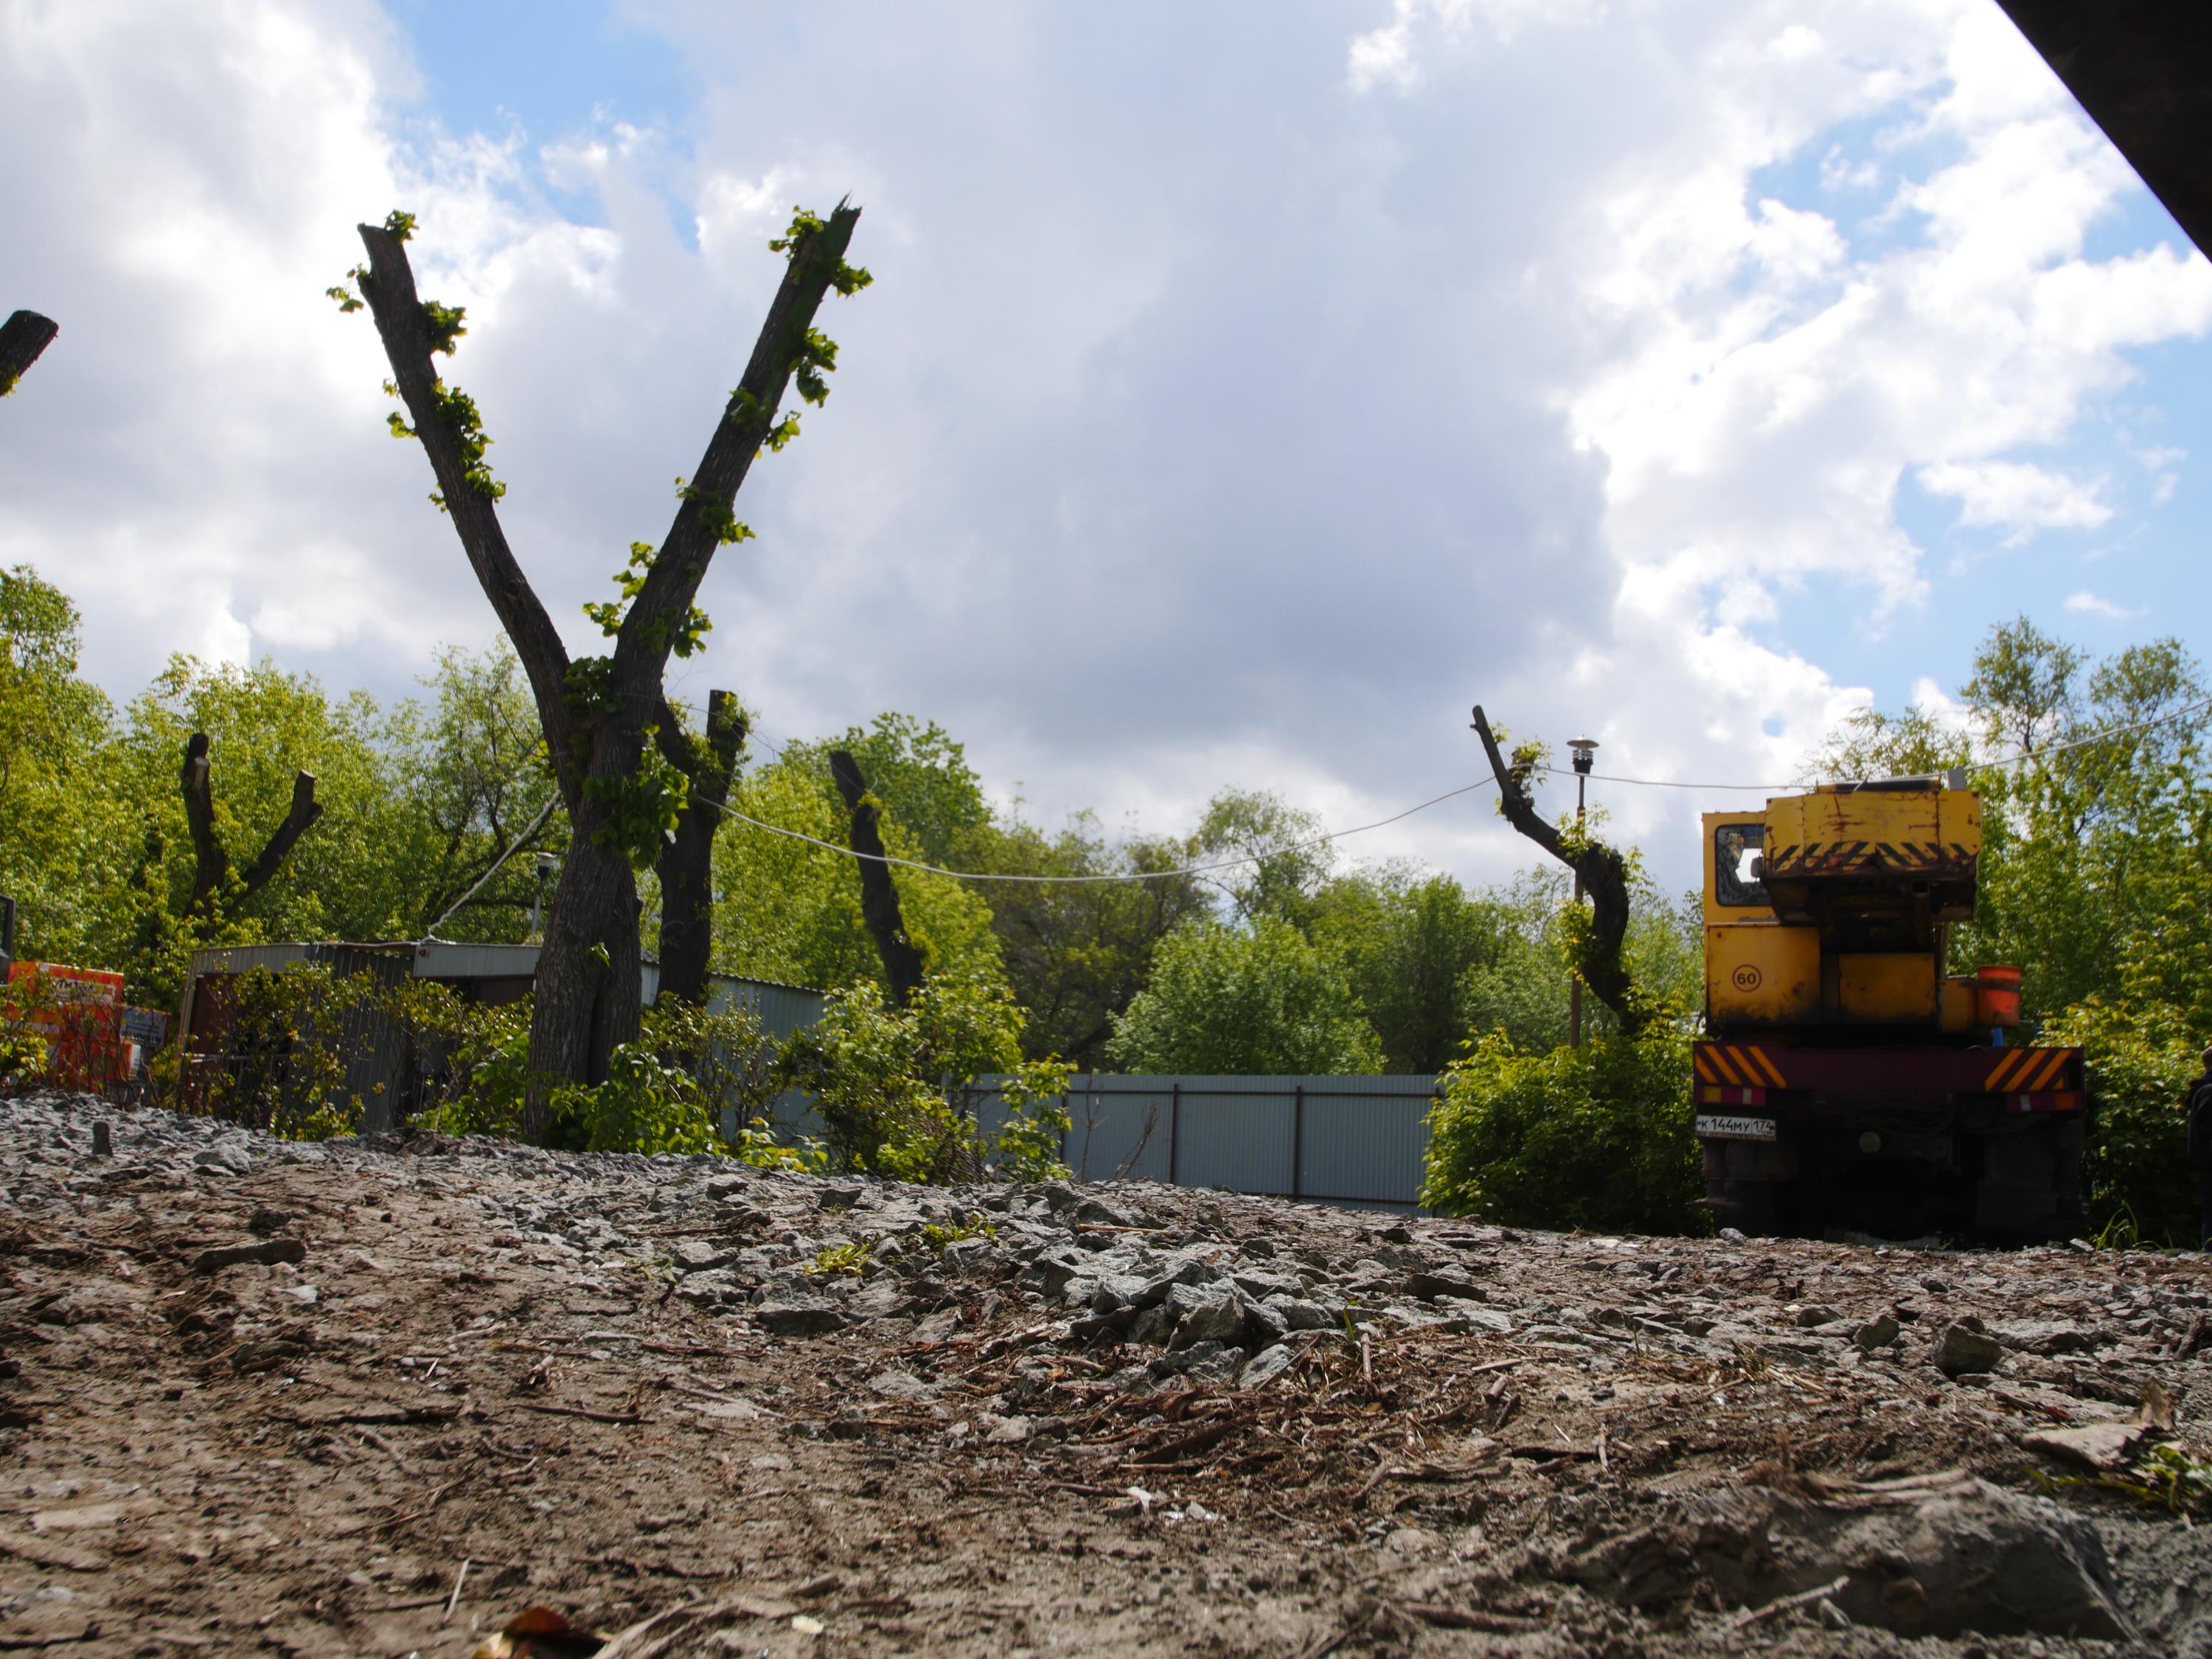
2096, 816
1289, 861
1411, 942
1076, 955
1256, 999
787, 911
58, 823
1598, 1138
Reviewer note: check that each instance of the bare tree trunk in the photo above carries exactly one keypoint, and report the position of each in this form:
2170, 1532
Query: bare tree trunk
210, 865
879, 899
1605, 877
687, 863
587, 990
22, 338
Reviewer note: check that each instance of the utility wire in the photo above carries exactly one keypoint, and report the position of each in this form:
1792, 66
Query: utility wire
514, 846
729, 811
2021, 759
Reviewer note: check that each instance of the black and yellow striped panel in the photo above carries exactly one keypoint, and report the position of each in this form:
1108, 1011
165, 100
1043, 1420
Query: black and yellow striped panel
1739, 1064
2027, 1071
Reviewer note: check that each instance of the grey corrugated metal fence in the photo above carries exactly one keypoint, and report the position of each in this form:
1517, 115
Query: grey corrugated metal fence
1355, 1140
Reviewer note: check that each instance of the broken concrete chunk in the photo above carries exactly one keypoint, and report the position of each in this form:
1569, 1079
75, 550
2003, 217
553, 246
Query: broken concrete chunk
1960, 1351
267, 1253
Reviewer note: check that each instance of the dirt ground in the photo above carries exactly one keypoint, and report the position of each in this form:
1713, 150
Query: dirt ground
775, 1414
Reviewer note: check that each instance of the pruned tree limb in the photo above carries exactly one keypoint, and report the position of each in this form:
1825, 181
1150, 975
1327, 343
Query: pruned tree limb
879, 899
211, 867
1605, 879
389, 287
22, 338
210, 863
305, 809
687, 863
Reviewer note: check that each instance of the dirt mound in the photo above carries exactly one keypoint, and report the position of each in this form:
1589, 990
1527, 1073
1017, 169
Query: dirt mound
347, 1398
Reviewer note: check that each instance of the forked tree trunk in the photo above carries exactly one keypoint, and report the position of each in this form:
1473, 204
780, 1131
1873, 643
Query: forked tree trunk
687, 865
587, 991
211, 865
1605, 879
879, 899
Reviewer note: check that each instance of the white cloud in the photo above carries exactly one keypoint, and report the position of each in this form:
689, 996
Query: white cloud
2016, 496
2088, 605
1234, 404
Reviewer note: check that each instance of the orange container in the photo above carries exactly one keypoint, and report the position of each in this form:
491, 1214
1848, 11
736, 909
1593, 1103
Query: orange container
1996, 996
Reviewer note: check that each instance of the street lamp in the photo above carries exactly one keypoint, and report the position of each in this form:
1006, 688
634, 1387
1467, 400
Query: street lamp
549, 866
1585, 752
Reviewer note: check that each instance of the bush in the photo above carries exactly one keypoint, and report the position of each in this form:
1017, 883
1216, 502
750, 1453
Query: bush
885, 1079
2142, 1062
1598, 1138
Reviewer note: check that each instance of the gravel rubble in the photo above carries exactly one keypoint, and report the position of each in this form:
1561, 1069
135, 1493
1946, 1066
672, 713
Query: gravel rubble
265, 1396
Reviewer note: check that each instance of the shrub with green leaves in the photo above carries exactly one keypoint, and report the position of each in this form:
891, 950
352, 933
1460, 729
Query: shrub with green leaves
1598, 1138
2141, 1062
887, 1079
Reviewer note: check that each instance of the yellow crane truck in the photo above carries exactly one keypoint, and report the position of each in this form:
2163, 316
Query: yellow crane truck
1846, 1081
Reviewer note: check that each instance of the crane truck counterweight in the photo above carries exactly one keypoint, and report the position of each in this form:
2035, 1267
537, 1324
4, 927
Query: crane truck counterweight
1847, 1082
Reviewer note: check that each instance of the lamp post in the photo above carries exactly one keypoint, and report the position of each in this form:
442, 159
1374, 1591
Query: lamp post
549, 866
1585, 752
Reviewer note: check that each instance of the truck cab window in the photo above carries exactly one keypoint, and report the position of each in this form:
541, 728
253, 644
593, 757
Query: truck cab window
1736, 869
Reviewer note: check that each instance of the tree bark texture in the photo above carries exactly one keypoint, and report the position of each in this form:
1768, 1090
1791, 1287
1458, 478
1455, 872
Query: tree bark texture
587, 997
687, 865
211, 865
22, 338
1605, 879
879, 899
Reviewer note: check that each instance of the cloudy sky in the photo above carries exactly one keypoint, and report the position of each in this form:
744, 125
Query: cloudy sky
1246, 389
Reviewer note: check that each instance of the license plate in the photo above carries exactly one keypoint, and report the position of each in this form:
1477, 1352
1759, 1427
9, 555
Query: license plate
1734, 1128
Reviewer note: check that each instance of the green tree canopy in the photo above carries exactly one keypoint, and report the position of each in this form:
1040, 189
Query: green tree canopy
1251, 1000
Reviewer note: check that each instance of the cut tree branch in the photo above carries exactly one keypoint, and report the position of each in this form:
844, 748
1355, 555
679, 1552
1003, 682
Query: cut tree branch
672, 584
305, 809
879, 899
687, 863
1605, 877
22, 338
389, 287
210, 863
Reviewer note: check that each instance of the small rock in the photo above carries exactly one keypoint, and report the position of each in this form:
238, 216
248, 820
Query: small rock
811, 1317
1961, 1352
1877, 1333
1813, 1315
1300, 1314
1004, 1430
265, 1221
1428, 1286
699, 1255
266, 1254
1266, 1366
1211, 1317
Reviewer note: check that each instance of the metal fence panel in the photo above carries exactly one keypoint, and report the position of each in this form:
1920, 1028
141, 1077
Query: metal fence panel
1355, 1140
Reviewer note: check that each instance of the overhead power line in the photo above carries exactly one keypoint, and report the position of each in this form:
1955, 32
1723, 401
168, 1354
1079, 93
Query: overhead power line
729, 811
2021, 759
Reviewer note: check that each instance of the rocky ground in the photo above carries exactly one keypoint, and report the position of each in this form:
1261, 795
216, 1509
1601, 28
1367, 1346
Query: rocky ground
368, 1400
